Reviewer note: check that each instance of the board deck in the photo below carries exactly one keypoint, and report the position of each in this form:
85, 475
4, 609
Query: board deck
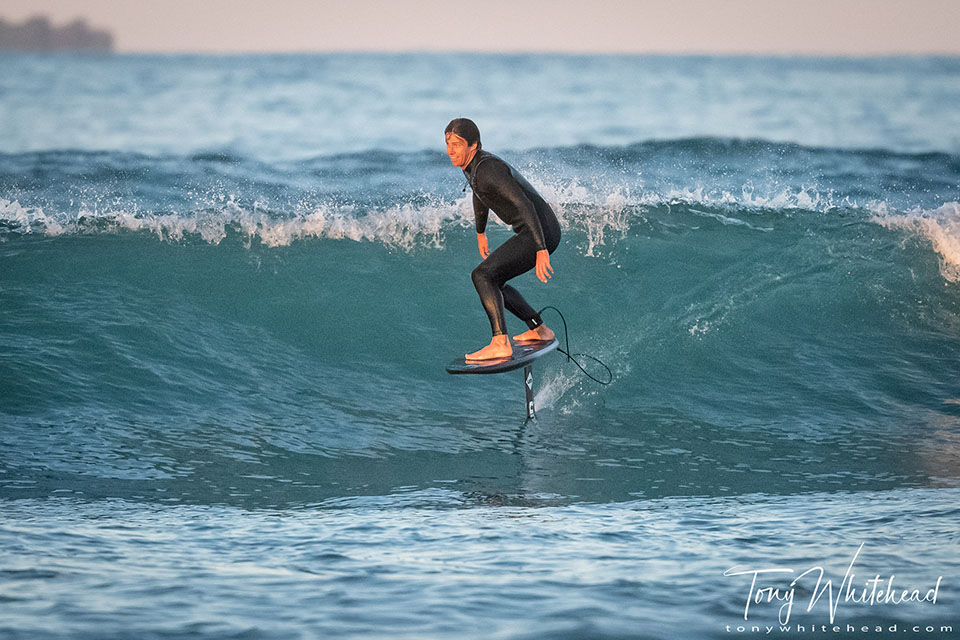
524, 353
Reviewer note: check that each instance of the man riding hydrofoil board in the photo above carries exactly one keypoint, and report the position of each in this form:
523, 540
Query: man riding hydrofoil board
499, 187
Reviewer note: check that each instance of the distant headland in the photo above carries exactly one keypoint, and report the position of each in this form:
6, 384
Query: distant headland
38, 34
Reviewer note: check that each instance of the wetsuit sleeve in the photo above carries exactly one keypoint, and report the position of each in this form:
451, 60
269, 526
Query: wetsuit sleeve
480, 212
510, 199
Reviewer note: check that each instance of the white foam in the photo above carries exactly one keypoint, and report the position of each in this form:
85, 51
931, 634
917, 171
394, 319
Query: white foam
728, 220
552, 388
597, 212
602, 212
404, 226
802, 198
605, 211
29, 219
940, 226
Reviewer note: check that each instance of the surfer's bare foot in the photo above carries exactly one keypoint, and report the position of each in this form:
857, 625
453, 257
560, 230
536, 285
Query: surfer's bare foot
499, 347
541, 334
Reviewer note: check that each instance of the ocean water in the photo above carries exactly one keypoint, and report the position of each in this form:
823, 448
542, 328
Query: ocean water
229, 287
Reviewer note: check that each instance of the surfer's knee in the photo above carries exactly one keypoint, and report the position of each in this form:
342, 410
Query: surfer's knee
481, 275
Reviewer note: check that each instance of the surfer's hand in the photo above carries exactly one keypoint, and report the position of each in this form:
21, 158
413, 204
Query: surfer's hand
482, 244
543, 265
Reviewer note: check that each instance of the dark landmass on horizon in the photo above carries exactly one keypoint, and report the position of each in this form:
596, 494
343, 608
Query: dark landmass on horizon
38, 34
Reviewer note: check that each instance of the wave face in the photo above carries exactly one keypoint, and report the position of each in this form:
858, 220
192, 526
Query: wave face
201, 288
225, 308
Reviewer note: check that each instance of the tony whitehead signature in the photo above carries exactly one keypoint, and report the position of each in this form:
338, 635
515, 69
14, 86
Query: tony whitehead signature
875, 590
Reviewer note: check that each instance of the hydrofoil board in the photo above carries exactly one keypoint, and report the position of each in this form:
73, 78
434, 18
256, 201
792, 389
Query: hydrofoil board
524, 353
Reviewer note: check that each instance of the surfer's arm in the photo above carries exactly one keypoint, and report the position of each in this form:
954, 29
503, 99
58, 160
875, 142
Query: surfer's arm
480, 213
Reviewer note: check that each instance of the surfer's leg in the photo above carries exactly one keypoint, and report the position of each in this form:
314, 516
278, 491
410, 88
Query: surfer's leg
515, 304
490, 297
488, 278
514, 257
519, 307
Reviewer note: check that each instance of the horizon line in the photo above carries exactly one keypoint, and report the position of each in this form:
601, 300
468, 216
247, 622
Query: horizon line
505, 52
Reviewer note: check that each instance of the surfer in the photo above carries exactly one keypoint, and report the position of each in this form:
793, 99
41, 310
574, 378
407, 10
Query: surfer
498, 186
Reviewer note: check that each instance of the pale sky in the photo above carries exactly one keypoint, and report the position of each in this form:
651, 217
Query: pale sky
778, 27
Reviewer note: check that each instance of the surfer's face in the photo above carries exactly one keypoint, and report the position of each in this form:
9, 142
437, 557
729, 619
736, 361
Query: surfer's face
459, 151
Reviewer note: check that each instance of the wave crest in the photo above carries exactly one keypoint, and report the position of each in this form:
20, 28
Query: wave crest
602, 213
940, 226
404, 225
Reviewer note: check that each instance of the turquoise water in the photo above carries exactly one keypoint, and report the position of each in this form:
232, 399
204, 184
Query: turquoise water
229, 287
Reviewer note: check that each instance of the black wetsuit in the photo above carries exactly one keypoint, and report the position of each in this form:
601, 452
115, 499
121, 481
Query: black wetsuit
497, 186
